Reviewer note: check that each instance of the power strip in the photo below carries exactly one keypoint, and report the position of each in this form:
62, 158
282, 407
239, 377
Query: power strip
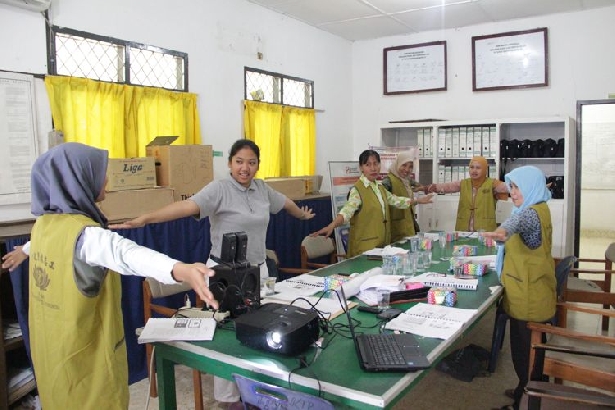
197, 312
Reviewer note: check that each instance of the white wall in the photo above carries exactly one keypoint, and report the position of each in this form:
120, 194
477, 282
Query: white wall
220, 37
580, 68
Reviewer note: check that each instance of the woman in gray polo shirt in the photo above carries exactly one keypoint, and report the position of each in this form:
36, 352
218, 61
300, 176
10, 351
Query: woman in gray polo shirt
238, 203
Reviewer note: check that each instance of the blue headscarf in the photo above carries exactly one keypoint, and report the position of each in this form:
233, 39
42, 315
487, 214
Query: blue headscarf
67, 179
531, 182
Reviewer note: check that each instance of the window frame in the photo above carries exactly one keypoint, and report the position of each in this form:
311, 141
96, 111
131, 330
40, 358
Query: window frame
281, 77
128, 45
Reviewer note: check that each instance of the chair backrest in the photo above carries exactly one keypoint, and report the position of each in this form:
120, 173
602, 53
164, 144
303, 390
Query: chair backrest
317, 246
313, 247
266, 396
562, 270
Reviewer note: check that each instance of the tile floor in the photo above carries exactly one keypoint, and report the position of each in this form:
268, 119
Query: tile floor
435, 391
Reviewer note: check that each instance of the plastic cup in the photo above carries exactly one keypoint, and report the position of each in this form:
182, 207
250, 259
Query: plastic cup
414, 245
270, 286
384, 299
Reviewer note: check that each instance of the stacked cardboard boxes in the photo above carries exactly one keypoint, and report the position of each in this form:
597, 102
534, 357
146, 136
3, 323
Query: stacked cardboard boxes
131, 189
185, 168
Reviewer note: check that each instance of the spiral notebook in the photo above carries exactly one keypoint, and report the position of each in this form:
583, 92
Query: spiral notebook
439, 279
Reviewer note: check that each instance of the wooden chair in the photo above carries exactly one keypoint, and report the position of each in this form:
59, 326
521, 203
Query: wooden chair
314, 247
272, 255
153, 289
572, 355
595, 286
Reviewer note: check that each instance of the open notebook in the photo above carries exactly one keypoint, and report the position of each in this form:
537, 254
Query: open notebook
386, 352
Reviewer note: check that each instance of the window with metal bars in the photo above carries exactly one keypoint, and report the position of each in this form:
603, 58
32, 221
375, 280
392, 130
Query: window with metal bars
278, 88
81, 54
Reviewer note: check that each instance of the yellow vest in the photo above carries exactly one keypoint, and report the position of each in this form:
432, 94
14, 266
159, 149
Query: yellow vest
402, 220
77, 341
528, 276
369, 229
482, 206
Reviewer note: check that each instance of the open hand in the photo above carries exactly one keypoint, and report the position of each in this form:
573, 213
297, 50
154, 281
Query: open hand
307, 213
14, 258
194, 274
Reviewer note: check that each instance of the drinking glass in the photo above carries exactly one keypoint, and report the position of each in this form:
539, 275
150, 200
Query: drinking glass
442, 246
414, 245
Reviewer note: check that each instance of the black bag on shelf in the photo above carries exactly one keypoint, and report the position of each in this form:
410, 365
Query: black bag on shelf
557, 186
550, 148
538, 148
559, 152
525, 148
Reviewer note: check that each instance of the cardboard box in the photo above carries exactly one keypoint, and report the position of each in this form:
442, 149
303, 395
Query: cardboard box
185, 168
128, 204
292, 187
130, 173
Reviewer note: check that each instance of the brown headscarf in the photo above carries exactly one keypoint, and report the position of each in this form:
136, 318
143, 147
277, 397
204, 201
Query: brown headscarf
476, 183
402, 158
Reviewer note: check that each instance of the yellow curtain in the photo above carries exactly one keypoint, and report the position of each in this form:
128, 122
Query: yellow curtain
120, 118
262, 124
89, 112
286, 137
298, 141
155, 112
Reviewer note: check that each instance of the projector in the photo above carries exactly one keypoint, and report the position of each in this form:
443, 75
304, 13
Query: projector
277, 328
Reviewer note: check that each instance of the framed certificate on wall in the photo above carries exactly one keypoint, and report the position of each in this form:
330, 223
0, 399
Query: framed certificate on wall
414, 68
517, 59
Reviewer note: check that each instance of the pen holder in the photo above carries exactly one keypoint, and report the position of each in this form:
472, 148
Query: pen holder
465, 250
446, 296
475, 269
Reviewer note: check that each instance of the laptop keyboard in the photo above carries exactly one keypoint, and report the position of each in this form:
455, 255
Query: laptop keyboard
384, 349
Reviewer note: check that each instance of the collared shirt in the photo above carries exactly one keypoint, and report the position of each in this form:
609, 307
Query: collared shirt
231, 207
354, 199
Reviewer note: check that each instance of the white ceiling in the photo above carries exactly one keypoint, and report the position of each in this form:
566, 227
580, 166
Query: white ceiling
367, 19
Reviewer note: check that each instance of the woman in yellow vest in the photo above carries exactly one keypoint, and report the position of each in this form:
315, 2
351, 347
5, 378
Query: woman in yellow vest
75, 319
478, 196
525, 266
399, 182
367, 209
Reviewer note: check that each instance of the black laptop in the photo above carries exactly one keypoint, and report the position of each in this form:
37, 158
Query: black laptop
386, 352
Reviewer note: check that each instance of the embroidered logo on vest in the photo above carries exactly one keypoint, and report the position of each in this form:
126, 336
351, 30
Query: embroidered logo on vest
41, 278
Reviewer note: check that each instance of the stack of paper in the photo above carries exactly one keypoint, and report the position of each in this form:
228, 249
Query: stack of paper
436, 321
369, 288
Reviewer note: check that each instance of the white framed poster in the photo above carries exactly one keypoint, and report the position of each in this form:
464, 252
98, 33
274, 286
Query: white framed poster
516, 59
414, 68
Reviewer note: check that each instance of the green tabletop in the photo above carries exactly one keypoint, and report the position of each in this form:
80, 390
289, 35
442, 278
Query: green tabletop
335, 374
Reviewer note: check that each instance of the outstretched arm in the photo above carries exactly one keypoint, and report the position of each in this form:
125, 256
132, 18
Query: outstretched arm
302, 213
170, 212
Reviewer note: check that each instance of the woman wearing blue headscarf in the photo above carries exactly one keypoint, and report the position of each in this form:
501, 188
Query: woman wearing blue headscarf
525, 265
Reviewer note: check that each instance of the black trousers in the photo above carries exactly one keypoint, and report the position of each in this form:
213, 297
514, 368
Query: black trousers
520, 345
